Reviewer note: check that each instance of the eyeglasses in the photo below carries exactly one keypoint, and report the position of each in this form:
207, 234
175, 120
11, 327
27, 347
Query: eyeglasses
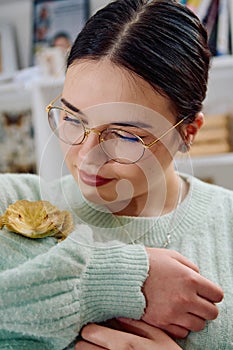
118, 144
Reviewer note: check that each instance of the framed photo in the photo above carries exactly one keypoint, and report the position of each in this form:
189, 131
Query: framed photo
8, 59
57, 23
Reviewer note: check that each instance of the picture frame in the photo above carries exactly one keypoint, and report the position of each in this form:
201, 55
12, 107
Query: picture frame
57, 23
8, 57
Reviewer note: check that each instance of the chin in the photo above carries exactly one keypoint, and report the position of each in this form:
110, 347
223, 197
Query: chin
96, 195
105, 196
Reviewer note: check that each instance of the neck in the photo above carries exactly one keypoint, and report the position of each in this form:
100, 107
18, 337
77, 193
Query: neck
174, 186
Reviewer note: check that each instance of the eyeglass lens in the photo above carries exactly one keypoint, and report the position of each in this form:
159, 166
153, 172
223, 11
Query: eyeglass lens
67, 127
119, 145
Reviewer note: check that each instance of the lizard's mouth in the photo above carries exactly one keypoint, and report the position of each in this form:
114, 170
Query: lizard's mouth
30, 229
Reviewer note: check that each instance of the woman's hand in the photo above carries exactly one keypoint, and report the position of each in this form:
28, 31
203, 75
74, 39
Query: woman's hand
141, 337
178, 298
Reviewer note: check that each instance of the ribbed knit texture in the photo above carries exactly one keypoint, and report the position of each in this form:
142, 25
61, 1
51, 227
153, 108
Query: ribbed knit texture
48, 291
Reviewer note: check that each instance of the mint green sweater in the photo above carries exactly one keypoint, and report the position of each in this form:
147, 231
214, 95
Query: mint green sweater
48, 291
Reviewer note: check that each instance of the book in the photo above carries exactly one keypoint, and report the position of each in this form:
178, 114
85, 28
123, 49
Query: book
210, 148
214, 137
216, 121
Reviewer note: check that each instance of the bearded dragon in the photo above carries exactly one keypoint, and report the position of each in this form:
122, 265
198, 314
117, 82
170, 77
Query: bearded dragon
37, 220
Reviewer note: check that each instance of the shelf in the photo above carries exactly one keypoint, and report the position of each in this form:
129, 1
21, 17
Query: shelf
49, 83
222, 62
9, 87
214, 160
217, 168
37, 93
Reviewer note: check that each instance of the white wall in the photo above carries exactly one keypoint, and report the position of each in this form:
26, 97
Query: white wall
19, 14
97, 4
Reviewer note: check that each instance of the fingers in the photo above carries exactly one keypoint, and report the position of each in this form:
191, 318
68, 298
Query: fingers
141, 329
177, 295
209, 290
202, 310
160, 339
205, 288
177, 331
102, 336
205, 309
84, 345
192, 323
189, 323
106, 338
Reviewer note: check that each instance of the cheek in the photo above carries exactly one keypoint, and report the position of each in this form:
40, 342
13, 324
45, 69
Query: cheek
152, 167
70, 154
138, 176
163, 152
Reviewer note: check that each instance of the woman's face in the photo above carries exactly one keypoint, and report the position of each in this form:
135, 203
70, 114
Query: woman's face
111, 97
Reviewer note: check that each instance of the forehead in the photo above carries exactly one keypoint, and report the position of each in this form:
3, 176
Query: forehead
92, 83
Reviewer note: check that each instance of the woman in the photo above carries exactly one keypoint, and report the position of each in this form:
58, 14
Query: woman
132, 99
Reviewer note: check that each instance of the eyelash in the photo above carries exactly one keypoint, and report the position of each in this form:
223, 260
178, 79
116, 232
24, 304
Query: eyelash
132, 139
76, 121
68, 119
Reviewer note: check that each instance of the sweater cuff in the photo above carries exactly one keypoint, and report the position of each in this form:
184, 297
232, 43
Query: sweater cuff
112, 284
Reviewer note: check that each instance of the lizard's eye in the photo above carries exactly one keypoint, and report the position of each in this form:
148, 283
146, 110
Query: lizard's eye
46, 216
19, 216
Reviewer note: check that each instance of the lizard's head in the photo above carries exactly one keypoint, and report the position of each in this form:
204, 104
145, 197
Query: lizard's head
30, 217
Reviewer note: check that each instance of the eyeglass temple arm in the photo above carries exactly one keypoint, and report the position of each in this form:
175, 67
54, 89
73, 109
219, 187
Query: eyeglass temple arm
50, 105
165, 133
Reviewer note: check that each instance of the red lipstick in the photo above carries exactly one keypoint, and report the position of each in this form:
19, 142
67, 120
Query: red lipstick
93, 180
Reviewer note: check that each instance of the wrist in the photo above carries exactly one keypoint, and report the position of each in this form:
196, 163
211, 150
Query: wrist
112, 283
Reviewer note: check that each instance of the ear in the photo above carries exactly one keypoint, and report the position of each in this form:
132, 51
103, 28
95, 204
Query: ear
189, 131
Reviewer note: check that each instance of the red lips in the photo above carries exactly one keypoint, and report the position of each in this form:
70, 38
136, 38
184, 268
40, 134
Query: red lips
93, 180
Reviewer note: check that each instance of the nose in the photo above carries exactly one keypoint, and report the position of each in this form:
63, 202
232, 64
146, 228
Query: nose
90, 150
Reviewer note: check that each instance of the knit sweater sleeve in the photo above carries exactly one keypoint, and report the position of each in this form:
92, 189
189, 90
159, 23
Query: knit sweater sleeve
49, 297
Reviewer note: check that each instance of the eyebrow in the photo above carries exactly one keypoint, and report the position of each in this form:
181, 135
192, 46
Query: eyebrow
70, 106
133, 125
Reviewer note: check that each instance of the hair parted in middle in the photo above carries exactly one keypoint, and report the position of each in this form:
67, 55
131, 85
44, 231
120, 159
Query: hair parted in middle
161, 41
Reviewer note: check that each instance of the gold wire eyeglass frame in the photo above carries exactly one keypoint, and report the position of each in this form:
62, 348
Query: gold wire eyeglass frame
87, 131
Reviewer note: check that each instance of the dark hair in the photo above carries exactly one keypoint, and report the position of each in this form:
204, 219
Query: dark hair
161, 41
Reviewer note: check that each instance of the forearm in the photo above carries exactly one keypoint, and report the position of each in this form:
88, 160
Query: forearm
50, 290
53, 295
112, 283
